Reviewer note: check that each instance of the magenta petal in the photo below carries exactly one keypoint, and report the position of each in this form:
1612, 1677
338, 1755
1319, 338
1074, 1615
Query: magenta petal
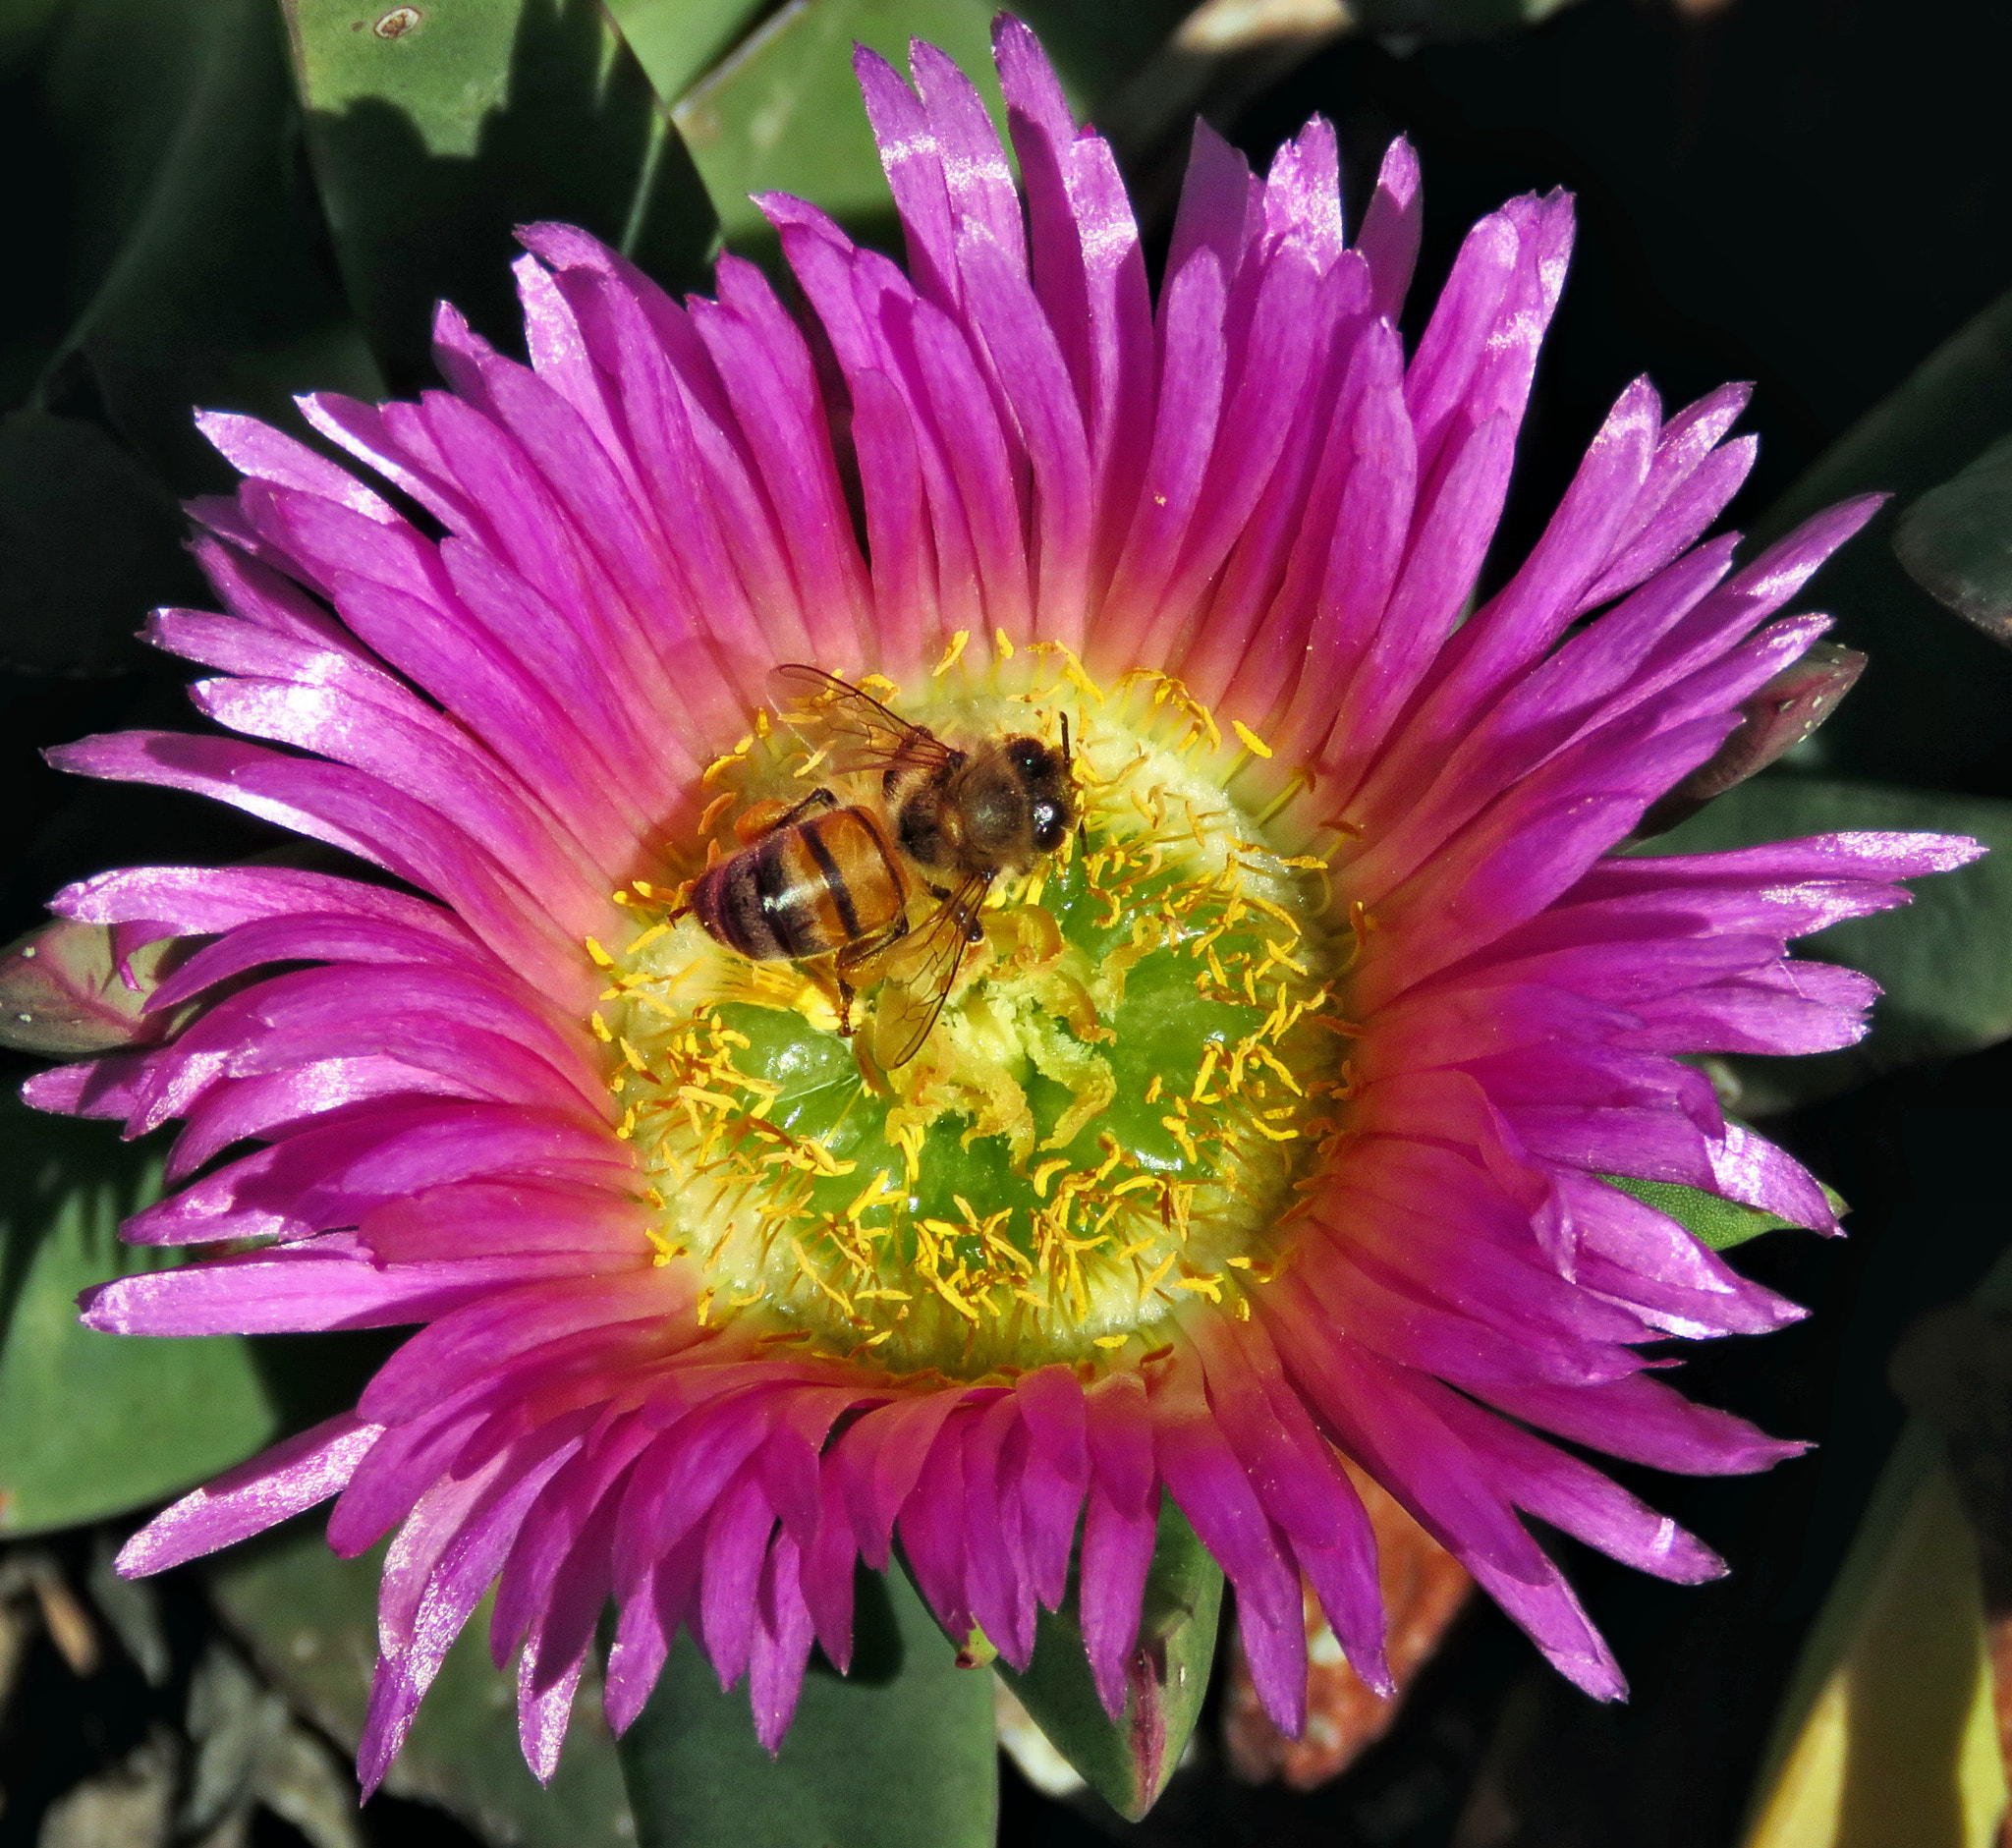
290, 1476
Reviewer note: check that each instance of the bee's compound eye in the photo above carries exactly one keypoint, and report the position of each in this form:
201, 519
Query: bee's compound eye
1029, 753
1049, 825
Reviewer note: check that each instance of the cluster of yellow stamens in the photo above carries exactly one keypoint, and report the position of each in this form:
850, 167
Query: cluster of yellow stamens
1136, 1068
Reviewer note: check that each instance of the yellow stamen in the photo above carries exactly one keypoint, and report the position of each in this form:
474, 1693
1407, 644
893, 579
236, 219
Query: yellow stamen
1251, 743
953, 652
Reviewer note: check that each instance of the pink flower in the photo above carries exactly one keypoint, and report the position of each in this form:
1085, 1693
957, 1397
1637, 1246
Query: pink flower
1274, 1110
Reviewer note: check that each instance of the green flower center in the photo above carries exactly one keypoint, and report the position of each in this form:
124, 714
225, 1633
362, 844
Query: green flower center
1136, 1077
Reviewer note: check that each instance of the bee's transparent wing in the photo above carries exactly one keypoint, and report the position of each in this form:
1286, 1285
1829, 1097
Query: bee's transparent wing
921, 968
874, 735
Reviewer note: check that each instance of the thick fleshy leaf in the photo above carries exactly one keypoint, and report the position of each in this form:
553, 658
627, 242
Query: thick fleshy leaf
64, 995
1127, 1761
675, 40
1937, 706
1956, 541
909, 1763
1942, 960
1888, 1732
93, 1425
174, 128
437, 130
1711, 1220
311, 1619
782, 114
89, 542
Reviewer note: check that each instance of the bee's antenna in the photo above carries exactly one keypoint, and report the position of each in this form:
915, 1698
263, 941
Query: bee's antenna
1068, 762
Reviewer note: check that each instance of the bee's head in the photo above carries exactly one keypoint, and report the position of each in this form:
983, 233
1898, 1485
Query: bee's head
1042, 775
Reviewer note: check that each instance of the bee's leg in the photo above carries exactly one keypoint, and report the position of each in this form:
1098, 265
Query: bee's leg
764, 817
856, 955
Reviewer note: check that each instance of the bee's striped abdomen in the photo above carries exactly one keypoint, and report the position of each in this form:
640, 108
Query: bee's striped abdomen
803, 890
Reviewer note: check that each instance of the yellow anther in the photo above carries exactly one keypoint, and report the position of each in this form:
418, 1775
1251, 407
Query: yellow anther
601, 959
1110, 1341
601, 1031
1250, 738
1046, 1173
1004, 644
953, 652
1267, 1057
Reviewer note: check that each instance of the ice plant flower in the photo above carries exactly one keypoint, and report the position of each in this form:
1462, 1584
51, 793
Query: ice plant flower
1268, 1123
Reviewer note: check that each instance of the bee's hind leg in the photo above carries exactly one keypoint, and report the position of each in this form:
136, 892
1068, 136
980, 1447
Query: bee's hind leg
765, 818
855, 955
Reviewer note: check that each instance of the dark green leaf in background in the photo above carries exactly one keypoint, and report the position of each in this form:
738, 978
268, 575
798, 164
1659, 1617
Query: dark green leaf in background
94, 1425
909, 1763
783, 112
1956, 541
310, 1621
675, 40
165, 257
89, 542
1128, 1763
1936, 707
188, 234
437, 130
1942, 961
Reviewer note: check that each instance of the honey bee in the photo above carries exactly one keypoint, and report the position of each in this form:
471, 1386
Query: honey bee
830, 879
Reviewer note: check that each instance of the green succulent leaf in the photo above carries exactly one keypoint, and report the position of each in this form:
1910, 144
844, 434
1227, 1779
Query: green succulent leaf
435, 130
1935, 706
1888, 1732
782, 112
675, 40
1127, 1762
1956, 542
1711, 1220
908, 1763
93, 1425
311, 1620
194, 259
1942, 960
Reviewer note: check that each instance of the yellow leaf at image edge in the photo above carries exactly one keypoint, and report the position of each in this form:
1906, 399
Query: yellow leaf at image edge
1889, 1735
